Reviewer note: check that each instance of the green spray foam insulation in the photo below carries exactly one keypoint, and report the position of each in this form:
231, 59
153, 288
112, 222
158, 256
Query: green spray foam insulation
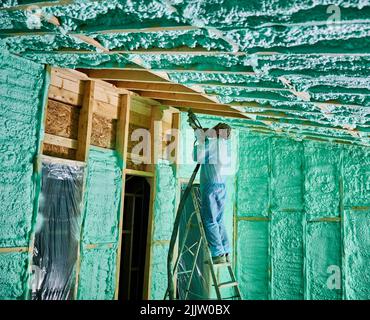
102, 198
323, 241
285, 190
13, 275
21, 89
253, 259
164, 215
98, 273
356, 254
100, 226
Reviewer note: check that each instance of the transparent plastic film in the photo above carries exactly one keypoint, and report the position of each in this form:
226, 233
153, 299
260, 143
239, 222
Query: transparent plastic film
57, 233
192, 269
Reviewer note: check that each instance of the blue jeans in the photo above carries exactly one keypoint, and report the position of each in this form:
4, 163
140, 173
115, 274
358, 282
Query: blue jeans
213, 205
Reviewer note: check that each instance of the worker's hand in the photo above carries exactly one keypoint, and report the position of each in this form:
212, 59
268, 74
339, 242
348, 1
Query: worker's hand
193, 121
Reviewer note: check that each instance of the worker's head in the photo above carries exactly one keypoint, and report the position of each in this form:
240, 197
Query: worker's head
223, 130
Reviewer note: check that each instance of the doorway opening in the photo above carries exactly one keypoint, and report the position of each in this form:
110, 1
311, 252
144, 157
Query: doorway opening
134, 238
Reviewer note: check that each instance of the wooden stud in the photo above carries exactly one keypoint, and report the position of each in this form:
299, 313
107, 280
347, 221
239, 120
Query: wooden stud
85, 122
121, 147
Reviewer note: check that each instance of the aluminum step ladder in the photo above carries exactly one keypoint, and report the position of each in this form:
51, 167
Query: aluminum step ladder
219, 286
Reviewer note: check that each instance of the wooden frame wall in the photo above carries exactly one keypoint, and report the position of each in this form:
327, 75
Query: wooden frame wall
82, 112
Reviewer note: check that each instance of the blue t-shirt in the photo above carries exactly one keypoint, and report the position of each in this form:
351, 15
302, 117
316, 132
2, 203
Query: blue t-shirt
212, 154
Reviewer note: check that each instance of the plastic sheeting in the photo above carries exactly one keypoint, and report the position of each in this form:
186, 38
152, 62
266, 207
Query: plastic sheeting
57, 233
193, 273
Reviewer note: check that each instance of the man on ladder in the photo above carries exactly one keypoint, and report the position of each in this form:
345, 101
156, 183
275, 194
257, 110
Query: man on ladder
210, 150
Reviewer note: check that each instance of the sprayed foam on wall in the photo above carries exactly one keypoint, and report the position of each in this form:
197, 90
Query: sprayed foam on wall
164, 214
252, 246
286, 177
98, 274
252, 180
357, 254
323, 252
306, 246
13, 275
100, 227
287, 255
21, 84
322, 165
102, 200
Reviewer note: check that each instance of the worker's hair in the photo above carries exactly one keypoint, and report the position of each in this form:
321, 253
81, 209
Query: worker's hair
223, 130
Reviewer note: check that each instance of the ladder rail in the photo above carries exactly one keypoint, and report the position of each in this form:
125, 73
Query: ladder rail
193, 267
203, 235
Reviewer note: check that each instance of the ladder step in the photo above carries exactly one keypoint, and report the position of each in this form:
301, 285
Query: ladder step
228, 284
233, 297
183, 272
218, 265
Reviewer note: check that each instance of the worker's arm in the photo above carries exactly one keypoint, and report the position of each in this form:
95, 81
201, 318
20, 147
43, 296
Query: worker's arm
199, 150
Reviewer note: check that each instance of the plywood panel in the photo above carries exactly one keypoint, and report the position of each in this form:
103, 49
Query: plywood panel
62, 119
103, 132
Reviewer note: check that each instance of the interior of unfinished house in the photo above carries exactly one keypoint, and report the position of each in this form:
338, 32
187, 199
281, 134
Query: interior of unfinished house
102, 104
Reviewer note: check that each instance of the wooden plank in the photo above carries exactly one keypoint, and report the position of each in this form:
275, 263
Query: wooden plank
105, 109
157, 87
141, 108
121, 147
58, 80
85, 122
14, 249
65, 96
175, 96
60, 141
123, 125
139, 120
216, 113
91, 41
111, 74
174, 51
106, 94
98, 30
199, 106
139, 173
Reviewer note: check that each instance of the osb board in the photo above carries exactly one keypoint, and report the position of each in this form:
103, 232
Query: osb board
103, 132
59, 151
62, 119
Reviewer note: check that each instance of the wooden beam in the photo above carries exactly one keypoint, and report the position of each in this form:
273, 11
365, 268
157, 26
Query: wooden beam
95, 30
60, 141
121, 147
174, 51
129, 75
199, 106
156, 87
139, 173
91, 41
122, 126
14, 249
196, 97
216, 113
85, 122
